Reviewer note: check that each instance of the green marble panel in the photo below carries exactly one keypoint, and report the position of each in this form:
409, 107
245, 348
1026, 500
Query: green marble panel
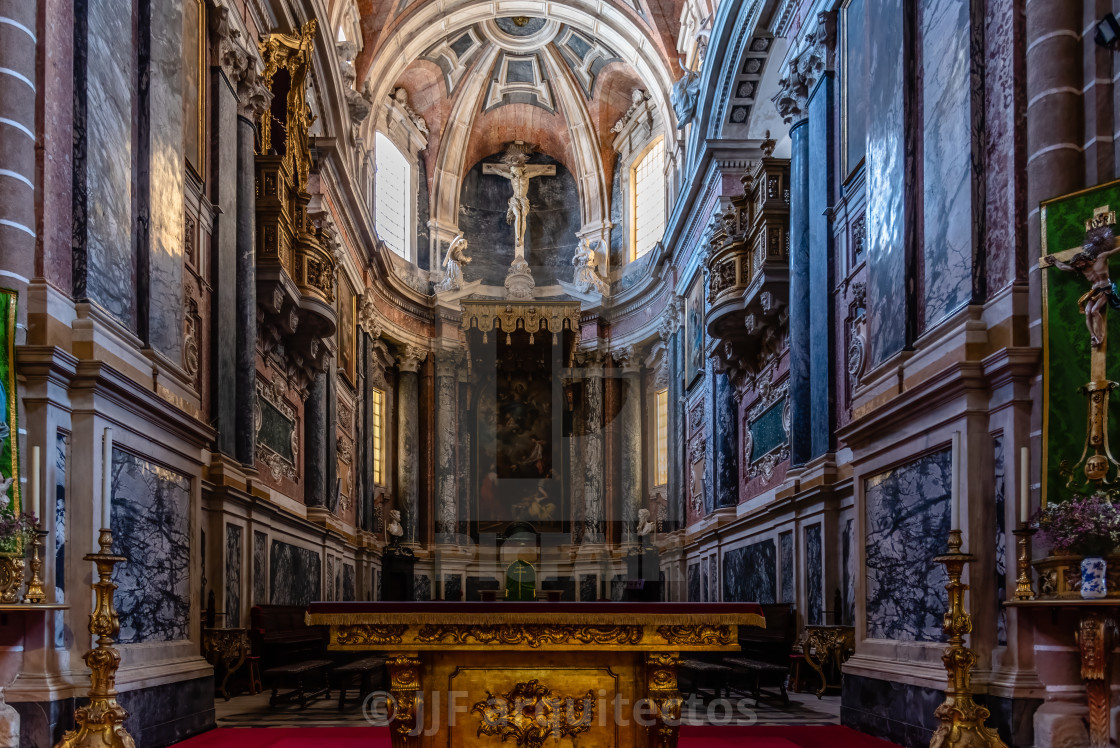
768, 432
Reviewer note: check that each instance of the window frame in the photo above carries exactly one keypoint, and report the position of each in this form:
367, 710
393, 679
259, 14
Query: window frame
377, 406
408, 229
661, 437
658, 142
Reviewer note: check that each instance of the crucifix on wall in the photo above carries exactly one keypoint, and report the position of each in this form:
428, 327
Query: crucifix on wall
515, 168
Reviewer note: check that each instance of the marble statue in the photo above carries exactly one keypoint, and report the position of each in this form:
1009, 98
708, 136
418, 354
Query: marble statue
1092, 262
587, 278
395, 528
684, 95
453, 264
400, 95
645, 524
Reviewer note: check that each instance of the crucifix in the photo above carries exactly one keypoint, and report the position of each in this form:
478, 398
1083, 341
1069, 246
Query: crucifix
1091, 261
518, 172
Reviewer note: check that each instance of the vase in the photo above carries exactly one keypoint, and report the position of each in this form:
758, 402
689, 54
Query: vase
1094, 582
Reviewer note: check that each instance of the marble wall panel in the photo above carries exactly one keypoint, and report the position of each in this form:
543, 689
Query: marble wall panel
886, 158
330, 578
423, 215
822, 389
151, 528
713, 579
727, 443
618, 588
705, 584
787, 592
1000, 485
421, 587
588, 588
349, 582
946, 158
694, 583
453, 587
814, 582
61, 461
907, 522
233, 576
260, 568
295, 574
750, 573
849, 548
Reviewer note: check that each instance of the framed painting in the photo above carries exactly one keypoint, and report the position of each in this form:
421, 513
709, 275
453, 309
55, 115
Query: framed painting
347, 314
694, 331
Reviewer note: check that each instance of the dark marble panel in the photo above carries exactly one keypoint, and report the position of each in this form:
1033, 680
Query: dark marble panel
349, 583
260, 568
618, 588
566, 585
233, 576
151, 528
453, 587
375, 593
908, 522
474, 584
886, 158
785, 544
821, 265
750, 573
422, 587
295, 574
224, 260
337, 579
800, 291
330, 578
705, 585
814, 582
727, 443
553, 222
713, 579
423, 214
588, 588
618, 257
849, 550
694, 583
62, 634
1000, 485
946, 163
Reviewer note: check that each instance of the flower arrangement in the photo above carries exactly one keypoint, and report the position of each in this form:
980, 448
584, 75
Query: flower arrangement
1083, 525
16, 527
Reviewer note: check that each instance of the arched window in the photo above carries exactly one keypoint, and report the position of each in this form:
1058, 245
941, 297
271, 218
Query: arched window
394, 201
648, 180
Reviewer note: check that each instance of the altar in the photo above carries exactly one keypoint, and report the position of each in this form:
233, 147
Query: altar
469, 675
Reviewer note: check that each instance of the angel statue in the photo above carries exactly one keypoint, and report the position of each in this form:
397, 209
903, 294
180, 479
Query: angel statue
587, 278
454, 262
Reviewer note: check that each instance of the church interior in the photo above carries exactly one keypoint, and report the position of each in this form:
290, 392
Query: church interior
457, 372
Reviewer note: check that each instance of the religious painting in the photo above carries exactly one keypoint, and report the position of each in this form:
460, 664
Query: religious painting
347, 313
694, 332
1080, 323
10, 499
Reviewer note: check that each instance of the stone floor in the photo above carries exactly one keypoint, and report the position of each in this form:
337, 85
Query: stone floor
803, 709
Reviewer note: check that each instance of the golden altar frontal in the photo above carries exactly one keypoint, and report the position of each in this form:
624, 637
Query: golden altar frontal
483, 675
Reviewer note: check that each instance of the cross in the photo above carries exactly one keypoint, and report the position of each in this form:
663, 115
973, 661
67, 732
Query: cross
514, 168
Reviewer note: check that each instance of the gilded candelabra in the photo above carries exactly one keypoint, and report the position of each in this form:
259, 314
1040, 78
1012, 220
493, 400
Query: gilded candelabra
1024, 590
35, 592
962, 719
101, 722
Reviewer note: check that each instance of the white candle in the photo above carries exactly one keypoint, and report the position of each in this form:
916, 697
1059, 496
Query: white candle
955, 487
35, 484
1024, 484
107, 480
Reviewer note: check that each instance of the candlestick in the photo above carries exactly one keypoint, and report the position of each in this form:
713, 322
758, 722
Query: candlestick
35, 592
107, 481
1024, 484
35, 484
955, 486
1024, 590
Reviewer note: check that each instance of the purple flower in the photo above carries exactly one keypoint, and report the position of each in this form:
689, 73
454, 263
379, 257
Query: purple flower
1082, 525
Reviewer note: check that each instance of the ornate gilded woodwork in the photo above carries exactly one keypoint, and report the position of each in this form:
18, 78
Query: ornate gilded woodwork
530, 713
227, 648
826, 648
698, 634
11, 578
664, 696
532, 317
530, 635
1095, 636
404, 686
368, 633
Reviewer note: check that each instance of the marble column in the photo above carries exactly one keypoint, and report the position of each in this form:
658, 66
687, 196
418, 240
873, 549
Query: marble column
466, 481
408, 430
18, 82
365, 436
676, 497
593, 507
799, 296
315, 437
224, 254
630, 426
822, 389
447, 435
246, 331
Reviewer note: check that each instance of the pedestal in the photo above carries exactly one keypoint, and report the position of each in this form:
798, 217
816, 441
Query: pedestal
397, 576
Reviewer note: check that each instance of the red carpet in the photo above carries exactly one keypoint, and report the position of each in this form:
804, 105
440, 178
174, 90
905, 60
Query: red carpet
691, 737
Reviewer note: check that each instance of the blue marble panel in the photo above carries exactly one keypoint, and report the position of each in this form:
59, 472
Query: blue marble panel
151, 528
233, 576
849, 573
713, 579
946, 159
907, 524
886, 159
421, 587
705, 585
61, 461
295, 574
727, 443
260, 568
785, 545
694, 583
822, 180
750, 573
588, 588
814, 583
349, 582
1000, 464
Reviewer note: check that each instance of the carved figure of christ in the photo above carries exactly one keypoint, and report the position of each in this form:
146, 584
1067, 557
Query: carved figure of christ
517, 213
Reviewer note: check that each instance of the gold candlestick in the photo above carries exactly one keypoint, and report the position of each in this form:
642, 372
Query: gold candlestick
1024, 589
101, 722
962, 719
35, 592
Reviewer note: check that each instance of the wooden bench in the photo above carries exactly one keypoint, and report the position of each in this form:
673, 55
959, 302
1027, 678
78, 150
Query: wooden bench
280, 636
756, 675
365, 669
700, 673
307, 681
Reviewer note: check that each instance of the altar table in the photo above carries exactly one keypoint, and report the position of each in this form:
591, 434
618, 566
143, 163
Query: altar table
593, 675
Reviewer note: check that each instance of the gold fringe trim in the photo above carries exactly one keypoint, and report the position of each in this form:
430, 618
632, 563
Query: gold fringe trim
543, 617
